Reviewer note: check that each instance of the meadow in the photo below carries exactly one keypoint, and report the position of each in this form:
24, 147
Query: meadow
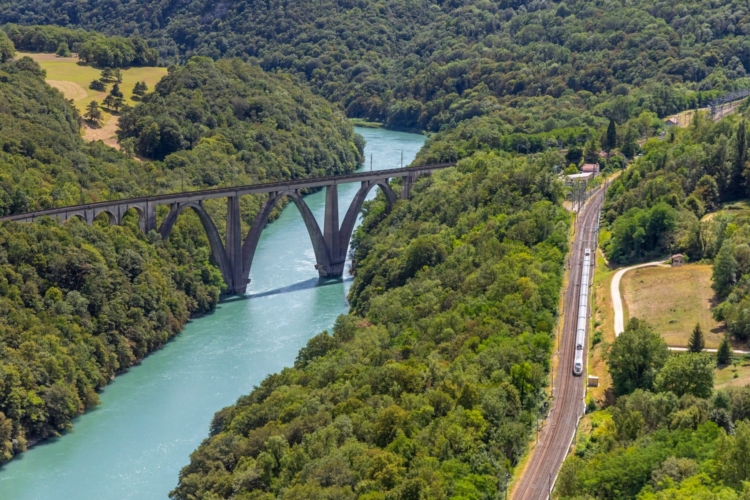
673, 300
72, 78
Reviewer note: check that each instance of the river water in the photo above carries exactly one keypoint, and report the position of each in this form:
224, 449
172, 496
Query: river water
151, 418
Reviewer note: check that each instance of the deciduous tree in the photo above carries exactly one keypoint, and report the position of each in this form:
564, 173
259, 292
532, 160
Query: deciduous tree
689, 373
636, 357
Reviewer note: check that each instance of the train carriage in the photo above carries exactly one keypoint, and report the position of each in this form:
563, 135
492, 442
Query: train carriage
583, 301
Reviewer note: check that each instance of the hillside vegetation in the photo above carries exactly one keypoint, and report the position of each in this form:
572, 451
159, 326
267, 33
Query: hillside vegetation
80, 303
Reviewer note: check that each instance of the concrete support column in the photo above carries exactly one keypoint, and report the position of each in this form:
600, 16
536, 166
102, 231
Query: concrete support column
149, 217
337, 255
233, 247
406, 183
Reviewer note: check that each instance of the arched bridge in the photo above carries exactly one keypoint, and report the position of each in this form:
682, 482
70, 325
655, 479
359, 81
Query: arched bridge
235, 254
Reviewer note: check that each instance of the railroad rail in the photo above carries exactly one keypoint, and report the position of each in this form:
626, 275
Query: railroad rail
567, 406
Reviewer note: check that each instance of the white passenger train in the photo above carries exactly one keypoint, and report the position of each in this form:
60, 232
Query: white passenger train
583, 302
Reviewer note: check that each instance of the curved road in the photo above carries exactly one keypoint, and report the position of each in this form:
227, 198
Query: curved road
568, 393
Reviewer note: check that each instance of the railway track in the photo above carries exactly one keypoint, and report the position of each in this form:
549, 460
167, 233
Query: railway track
567, 405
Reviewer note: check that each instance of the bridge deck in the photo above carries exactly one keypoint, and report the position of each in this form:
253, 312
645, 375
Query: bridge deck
205, 194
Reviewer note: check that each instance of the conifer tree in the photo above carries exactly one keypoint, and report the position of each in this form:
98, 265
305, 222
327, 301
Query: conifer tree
724, 354
696, 342
93, 113
109, 101
116, 92
630, 146
611, 136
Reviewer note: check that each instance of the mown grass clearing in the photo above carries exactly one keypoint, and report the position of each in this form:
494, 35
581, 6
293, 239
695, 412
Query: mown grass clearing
73, 80
673, 300
733, 375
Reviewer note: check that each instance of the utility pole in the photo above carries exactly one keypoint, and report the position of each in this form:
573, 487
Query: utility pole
370, 162
402, 158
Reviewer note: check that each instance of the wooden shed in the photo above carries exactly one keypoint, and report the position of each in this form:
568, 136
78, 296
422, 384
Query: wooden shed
677, 260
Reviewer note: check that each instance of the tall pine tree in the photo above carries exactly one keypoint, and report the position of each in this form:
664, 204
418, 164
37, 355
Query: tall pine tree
740, 157
611, 142
724, 354
696, 342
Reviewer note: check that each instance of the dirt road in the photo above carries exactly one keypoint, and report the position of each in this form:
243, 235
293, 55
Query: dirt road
568, 392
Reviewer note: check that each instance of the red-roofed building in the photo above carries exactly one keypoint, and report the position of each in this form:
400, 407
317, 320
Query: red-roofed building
590, 168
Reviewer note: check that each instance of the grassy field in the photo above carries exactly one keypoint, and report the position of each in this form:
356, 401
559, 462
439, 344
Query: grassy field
735, 208
725, 377
73, 79
673, 300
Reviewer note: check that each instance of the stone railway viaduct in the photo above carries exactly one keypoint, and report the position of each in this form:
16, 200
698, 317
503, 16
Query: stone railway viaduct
234, 255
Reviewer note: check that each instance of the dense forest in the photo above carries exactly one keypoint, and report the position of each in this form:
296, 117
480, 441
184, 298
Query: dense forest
91, 47
426, 64
80, 303
430, 387
229, 123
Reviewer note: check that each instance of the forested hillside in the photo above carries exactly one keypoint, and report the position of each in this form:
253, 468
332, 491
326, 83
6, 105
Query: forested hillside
91, 47
425, 64
430, 387
79, 303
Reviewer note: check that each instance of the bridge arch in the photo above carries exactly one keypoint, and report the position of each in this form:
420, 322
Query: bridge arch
217, 247
110, 216
138, 211
350, 219
76, 215
250, 244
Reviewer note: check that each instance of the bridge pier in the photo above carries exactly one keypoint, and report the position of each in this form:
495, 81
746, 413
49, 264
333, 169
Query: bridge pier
406, 183
233, 247
331, 235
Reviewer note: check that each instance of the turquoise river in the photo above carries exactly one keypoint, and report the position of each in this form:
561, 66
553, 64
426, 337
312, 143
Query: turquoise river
151, 418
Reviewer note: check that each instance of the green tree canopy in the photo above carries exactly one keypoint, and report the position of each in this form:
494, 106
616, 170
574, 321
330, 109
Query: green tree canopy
636, 357
7, 50
690, 373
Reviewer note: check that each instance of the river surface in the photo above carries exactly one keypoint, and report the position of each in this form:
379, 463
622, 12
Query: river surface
134, 444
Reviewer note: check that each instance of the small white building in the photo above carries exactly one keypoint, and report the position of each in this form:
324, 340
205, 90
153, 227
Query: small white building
583, 177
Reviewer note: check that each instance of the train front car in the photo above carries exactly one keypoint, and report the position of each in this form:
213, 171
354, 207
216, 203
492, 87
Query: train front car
583, 302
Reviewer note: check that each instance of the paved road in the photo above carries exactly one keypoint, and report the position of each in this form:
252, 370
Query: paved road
614, 290
568, 392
